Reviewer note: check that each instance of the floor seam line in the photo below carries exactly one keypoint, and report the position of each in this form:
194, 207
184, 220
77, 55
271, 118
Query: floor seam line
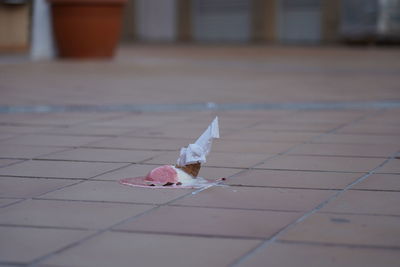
275, 237
322, 204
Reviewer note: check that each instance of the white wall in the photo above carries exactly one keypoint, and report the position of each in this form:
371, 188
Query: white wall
299, 21
156, 20
221, 20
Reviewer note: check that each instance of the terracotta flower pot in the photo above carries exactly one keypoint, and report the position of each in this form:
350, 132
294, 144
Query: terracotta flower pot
87, 28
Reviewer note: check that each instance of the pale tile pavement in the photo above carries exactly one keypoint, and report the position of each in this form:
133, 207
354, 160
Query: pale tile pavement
304, 187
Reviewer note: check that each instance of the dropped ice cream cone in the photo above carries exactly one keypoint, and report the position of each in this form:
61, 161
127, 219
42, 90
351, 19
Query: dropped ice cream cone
184, 173
197, 152
192, 169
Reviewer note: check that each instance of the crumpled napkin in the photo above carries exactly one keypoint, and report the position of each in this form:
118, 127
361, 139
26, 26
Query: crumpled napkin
198, 151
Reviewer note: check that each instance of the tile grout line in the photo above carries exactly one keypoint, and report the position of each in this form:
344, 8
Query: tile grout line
230, 208
305, 170
43, 177
355, 121
95, 201
285, 151
99, 232
310, 243
11, 264
268, 158
237, 237
362, 117
30, 226
37, 197
34, 262
80, 241
202, 106
52, 127
14, 163
275, 237
201, 189
13, 203
73, 148
362, 214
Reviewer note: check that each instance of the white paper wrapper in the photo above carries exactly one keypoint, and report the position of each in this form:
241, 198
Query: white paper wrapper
198, 151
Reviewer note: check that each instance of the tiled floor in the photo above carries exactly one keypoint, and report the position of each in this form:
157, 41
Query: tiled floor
304, 187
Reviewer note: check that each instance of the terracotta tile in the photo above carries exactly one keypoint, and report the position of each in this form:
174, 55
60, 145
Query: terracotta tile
66, 118
22, 245
371, 128
264, 115
323, 116
388, 117
321, 163
257, 198
29, 187
236, 78
379, 121
7, 201
305, 126
171, 131
87, 130
115, 192
392, 166
59, 169
26, 152
250, 147
141, 143
23, 129
212, 222
299, 179
165, 158
137, 121
235, 160
17, 118
347, 229
134, 170
123, 249
272, 136
6, 162
380, 182
217, 173
304, 255
366, 202
52, 140
358, 139
106, 155
73, 214
236, 122
226, 122
4, 136
354, 150
216, 159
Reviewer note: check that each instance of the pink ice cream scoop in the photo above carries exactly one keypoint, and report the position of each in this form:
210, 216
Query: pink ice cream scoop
169, 176
185, 173
162, 175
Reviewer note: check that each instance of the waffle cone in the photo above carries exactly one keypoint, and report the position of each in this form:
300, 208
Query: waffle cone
192, 169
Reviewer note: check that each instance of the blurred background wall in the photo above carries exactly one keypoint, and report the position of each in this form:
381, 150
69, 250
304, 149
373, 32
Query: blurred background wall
270, 21
231, 21
14, 26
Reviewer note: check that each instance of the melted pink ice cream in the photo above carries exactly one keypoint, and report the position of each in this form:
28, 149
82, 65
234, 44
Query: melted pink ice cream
162, 175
